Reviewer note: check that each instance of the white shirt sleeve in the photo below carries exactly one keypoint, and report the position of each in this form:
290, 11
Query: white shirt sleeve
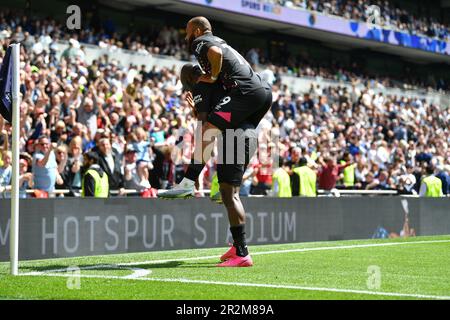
423, 189
275, 187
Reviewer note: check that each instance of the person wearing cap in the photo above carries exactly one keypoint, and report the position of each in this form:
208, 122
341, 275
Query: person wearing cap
95, 180
431, 186
306, 177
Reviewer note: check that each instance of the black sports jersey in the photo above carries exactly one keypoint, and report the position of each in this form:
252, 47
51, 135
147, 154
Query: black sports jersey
236, 72
206, 96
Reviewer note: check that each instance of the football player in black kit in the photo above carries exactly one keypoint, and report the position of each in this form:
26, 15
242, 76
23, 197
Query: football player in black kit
245, 101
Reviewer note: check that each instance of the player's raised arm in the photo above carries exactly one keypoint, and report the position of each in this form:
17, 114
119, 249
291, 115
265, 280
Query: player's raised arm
215, 57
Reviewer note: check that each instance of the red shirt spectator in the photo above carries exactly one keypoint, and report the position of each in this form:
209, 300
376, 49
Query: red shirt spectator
264, 173
329, 174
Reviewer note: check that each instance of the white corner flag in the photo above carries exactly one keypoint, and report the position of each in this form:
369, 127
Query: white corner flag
10, 110
14, 237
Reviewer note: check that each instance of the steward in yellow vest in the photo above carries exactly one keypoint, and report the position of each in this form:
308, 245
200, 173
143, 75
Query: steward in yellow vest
431, 186
349, 170
215, 194
306, 178
281, 182
95, 180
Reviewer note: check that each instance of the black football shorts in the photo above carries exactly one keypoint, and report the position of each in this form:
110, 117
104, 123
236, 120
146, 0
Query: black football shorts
235, 149
236, 108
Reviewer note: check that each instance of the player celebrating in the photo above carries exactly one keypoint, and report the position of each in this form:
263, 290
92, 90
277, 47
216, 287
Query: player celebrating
246, 100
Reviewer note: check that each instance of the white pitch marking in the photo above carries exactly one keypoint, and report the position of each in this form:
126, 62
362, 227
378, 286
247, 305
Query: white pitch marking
258, 285
137, 272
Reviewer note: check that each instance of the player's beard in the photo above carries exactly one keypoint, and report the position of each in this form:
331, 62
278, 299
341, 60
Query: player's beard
189, 43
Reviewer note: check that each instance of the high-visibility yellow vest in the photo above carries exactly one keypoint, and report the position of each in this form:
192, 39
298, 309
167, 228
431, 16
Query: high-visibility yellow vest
434, 186
307, 181
215, 187
101, 184
281, 177
349, 175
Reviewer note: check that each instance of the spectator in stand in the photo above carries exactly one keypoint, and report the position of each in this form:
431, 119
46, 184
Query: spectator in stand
305, 180
87, 112
5, 170
281, 184
295, 156
263, 171
330, 172
253, 57
247, 181
141, 147
61, 160
396, 135
111, 163
407, 182
25, 178
444, 176
95, 180
45, 168
73, 174
390, 16
431, 186
132, 180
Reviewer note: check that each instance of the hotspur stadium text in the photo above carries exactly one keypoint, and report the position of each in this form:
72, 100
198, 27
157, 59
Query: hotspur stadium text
111, 233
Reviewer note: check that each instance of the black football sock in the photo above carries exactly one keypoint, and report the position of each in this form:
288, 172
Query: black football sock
238, 233
194, 170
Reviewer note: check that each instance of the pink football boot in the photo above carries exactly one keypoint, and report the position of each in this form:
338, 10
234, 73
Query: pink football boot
231, 253
237, 262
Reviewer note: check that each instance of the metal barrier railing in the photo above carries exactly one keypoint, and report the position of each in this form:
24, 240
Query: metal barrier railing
320, 192
339, 192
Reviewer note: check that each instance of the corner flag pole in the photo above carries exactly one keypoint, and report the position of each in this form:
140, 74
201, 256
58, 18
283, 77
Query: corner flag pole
14, 231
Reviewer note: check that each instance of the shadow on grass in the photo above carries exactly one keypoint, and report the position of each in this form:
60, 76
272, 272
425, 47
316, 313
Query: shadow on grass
90, 267
177, 264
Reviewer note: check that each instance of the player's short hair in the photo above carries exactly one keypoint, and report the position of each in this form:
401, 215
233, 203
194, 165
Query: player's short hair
189, 75
202, 23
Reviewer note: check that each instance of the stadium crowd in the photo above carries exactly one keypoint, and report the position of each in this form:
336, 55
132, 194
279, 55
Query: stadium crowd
133, 118
390, 15
37, 34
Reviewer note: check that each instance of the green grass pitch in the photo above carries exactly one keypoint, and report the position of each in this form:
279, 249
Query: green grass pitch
414, 268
